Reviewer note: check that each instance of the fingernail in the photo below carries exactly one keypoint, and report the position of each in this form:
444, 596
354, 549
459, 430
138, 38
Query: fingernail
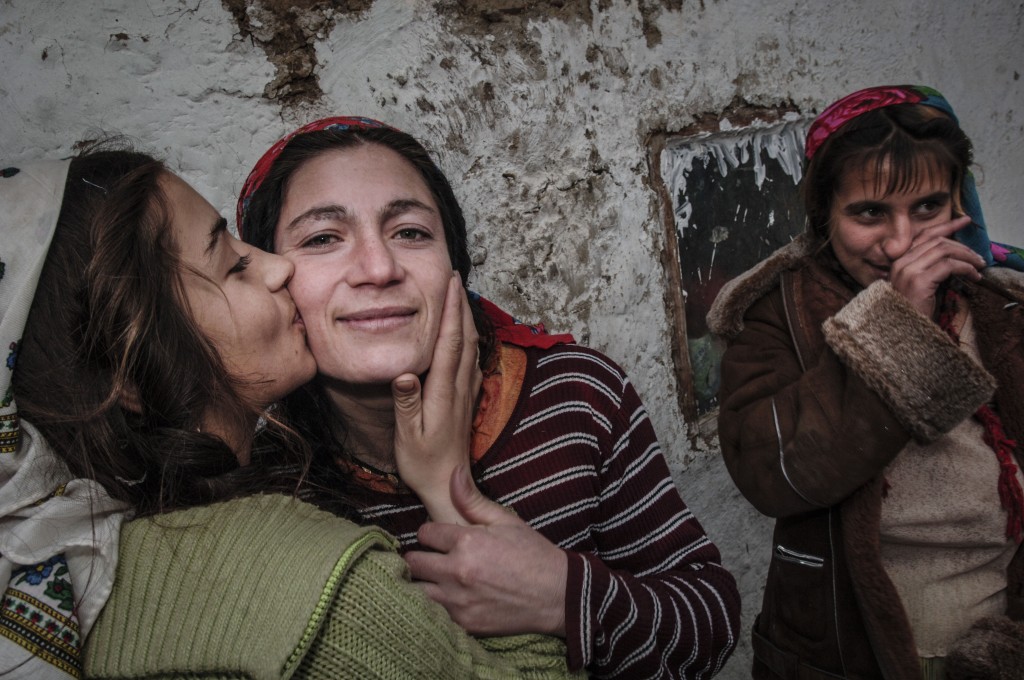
405, 385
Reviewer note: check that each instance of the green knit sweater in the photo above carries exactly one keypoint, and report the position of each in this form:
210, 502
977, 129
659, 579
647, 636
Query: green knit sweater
269, 587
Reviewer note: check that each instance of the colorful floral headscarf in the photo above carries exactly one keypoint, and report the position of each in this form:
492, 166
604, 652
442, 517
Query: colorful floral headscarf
853, 105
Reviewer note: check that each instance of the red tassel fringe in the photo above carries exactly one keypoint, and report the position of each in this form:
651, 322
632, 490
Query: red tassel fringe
1011, 496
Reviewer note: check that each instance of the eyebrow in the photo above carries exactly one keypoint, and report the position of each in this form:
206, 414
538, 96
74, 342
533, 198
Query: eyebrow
340, 213
316, 213
403, 205
858, 206
936, 197
219, 227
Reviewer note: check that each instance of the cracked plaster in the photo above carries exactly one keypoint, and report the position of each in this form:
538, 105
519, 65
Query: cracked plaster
541, 113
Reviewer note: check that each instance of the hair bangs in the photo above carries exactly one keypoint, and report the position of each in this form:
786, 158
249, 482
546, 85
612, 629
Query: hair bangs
903, 166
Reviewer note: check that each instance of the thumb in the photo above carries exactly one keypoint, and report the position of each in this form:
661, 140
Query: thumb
405, 389
474, 507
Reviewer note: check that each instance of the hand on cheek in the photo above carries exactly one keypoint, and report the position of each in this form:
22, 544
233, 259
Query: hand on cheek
433, 425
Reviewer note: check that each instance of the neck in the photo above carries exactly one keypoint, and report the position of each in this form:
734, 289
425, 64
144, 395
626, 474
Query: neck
368, 414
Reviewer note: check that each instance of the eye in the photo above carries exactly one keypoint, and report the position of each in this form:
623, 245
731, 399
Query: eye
870, 213
319, 241
241, 265
413, 234
929, 208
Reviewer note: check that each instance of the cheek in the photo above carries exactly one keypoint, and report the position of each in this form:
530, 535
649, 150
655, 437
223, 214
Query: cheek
312, 301
210, 314
944, 215
309, 297
851, 238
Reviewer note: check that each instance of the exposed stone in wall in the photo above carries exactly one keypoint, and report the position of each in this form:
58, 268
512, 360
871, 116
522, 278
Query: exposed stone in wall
287, 31
508, 19
737, 113
649, 12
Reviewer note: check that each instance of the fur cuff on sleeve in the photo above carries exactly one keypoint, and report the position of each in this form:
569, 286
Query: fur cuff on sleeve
929, 384
992, 649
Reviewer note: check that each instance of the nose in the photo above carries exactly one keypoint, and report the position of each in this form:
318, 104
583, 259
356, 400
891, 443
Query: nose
374, 262
899, 237
277, 270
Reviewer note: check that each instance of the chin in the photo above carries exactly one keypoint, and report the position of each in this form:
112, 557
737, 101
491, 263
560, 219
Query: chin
368, 375
386, 364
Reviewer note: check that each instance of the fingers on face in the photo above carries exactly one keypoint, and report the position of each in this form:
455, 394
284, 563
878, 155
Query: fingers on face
933, 251
942, 229
469, 348
451, 319
929, 269
448, 348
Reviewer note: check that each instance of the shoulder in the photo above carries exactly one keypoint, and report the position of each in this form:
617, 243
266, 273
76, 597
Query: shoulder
574, 360
270, 561
569, 376
268, 517
237, 536
741, 293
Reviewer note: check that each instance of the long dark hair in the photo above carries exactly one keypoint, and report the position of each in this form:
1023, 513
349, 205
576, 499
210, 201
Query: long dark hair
113, 370
900, 144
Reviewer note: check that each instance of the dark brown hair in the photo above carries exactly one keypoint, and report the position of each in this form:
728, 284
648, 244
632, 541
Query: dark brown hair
113, 370
898, 144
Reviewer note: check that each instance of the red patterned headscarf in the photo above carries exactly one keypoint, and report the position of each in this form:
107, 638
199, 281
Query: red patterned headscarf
263, 165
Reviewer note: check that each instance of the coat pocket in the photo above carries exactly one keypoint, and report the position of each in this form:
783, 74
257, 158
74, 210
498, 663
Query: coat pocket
797, 593
801, 558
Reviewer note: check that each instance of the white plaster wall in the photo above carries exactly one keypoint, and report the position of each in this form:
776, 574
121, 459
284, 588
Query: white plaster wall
549, 159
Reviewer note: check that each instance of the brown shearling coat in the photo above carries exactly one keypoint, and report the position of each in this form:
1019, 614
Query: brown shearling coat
821, 388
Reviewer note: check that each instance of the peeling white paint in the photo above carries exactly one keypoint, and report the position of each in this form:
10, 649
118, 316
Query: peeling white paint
782, 143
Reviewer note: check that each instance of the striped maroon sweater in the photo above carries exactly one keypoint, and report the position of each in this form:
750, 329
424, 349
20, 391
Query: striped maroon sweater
646, 595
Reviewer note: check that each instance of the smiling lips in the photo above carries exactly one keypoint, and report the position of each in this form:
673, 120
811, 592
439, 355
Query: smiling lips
377, 320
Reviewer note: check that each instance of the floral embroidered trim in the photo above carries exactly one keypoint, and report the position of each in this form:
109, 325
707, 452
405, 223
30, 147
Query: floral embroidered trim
37, 614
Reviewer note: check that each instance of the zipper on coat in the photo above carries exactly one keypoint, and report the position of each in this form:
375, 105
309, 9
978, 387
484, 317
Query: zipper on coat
835, 589
782, 458
807, 560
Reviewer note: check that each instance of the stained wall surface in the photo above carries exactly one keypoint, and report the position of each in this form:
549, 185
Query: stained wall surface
541, 112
